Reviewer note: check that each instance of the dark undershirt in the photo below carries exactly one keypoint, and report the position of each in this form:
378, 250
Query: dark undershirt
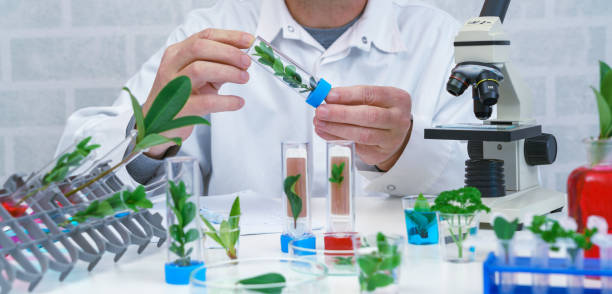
326, 37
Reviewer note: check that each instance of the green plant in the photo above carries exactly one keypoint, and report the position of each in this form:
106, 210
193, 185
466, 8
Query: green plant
288, 73
62, 166
160, 118
184, 212
337, 173
270, 278
377, 267
461, 201
293, 198
604, 101
421, 216
504, 230
550, 231
456, 204
229, 230
124, 200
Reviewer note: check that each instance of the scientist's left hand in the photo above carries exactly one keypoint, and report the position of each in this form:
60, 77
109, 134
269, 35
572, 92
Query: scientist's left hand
377, 119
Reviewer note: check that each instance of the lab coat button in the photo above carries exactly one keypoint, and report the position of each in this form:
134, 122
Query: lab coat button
290, 28
391, 188
364, 40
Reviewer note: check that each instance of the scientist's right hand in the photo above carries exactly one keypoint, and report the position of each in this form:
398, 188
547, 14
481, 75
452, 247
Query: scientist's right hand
209, 58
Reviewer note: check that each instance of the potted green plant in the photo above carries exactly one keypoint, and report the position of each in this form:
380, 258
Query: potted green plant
458, 213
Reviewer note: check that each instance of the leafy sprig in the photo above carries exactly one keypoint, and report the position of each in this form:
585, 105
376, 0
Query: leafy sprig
59, 172
343, 260
604, 101
124, 200
160, 118
269, 278
185, 212
461, 201
229, 230
336, 173
550, 231
504, 230
377, 267
288, 73
293, 198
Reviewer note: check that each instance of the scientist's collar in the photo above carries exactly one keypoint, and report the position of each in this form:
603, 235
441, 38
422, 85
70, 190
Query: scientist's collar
377, 26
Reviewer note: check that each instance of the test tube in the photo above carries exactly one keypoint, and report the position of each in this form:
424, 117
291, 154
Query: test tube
340, 186
313, 90
182, 197
540, 258
295, 163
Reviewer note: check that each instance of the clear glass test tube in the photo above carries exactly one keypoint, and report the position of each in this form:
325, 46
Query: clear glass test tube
296, 162
313, 90
340, 186
184, 253
540, 258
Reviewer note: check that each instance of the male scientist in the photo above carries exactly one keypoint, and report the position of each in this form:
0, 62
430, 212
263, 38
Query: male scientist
387, 60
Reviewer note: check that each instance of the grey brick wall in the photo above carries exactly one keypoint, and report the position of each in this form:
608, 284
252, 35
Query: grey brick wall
60, 55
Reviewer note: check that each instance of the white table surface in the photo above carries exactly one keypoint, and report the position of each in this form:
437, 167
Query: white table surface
423, 270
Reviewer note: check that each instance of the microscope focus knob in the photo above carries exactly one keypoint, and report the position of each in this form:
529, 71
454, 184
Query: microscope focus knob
541, 150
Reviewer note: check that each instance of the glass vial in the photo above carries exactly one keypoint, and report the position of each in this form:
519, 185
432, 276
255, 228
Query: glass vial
184, 252
296, 163
340, 186
289, 72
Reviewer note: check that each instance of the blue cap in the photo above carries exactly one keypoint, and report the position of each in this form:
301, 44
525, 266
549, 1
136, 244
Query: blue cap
179, 275
319, 94
306, 241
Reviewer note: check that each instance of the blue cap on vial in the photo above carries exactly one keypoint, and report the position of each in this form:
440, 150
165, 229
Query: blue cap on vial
319, 94
179, 275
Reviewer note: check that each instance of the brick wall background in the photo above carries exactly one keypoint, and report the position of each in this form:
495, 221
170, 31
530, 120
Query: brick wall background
60, 55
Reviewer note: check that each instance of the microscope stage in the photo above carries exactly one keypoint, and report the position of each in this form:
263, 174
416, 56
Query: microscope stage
482, 132
536, 201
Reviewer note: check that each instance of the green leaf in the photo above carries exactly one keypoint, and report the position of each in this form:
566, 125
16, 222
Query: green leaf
504, 230
188, 213
179, 123
278, 67
175, 232
154, 140
421, 204
337, 173
225, 233
606, 88
235, 211
269, 278
379, 280
168, 103
138, 116
215, 237
294, 199
461, 201
603, 71
605, 115
191, 235
368, 264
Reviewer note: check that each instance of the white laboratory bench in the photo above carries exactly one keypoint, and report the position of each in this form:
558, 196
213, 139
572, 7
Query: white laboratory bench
423, 270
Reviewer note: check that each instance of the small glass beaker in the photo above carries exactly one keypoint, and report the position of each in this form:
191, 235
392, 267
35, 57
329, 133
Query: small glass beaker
456, 232
421, 222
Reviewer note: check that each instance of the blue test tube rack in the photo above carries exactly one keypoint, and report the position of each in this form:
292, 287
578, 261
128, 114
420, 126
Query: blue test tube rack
556, 266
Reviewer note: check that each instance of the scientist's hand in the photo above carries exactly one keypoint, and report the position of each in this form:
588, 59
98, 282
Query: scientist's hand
209, 58
377, 119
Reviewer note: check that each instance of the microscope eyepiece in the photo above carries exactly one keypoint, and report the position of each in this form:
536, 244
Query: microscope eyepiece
488, 88
457, 84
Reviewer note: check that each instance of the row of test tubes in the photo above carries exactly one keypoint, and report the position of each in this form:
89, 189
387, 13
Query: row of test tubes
296, 160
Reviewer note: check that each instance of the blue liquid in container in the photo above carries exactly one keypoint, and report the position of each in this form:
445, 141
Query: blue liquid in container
422, 227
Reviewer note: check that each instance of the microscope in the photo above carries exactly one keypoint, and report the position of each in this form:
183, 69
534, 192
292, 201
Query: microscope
505, 152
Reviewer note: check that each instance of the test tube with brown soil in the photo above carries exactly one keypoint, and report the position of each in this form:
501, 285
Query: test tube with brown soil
295, 161
341, 182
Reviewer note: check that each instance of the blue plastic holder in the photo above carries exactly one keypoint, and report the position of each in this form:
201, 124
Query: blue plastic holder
308, 241
556, 266
179, 275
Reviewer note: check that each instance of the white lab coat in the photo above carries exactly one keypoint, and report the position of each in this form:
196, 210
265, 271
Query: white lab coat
403, 44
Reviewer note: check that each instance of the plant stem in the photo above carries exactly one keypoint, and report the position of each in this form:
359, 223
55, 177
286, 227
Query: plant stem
103, 174
32, 193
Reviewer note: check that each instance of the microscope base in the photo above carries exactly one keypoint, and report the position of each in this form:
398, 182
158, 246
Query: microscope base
531, 201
